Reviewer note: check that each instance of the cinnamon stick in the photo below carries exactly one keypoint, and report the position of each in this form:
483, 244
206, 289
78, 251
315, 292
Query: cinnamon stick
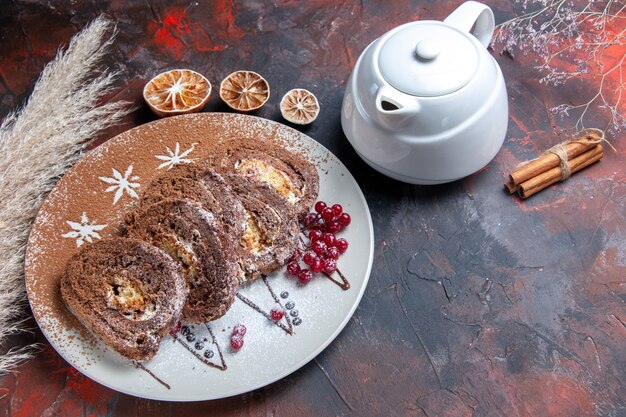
549, 160
510, 187
554, 175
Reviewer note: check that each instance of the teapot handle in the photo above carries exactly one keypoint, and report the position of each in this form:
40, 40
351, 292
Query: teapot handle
475, 18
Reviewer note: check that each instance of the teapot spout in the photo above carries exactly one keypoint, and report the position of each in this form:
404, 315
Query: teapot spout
395, 109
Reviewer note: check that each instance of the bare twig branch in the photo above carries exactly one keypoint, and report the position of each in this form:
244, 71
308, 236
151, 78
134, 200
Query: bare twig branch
573, 40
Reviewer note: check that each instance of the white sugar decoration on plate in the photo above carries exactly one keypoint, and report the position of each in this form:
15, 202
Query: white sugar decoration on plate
121, 184
175, 157
83, 231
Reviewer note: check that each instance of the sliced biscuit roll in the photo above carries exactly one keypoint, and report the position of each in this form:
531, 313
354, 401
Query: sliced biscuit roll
191, 236
271, 232
203, 185
127, 292
290, 174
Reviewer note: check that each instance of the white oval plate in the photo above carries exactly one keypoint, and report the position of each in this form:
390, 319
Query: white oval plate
88, 203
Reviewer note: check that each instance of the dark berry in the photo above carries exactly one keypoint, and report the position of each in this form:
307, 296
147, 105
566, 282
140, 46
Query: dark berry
310, 220
297, 321
294, 313
337, 209
284, 294
332, 253
330, 266
328, 214
290, 305
185, 330
318, 265
236, 342
319, 206
315, 234
318, 247
293, 268
309, 258
199, 345
344, 219
341, 244
208, 353
334, 226
277, 313
239, 330
305, 276
329, 239
191, 337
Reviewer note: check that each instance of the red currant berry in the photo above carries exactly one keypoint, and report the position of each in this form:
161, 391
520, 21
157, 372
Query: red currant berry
318, 265
344, 219
305, 276
296, 256
175, 329
330, 266
328, 214
337, 209
329, 239
319, 206
315, 235
334, 226
310, 220
318, 247
236, 342
332, 253
309, 258
293, 268
341, 244
277, 313
239, 330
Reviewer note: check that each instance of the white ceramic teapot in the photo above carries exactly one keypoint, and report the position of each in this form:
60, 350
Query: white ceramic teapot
426, 102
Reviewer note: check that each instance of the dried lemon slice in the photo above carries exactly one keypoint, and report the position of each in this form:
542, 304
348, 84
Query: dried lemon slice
176, 92
299, 106
244, 90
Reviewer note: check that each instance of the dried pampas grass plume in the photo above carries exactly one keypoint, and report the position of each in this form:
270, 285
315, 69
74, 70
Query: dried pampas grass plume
37, 144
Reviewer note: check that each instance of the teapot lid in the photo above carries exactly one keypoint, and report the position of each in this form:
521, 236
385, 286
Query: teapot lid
428, 59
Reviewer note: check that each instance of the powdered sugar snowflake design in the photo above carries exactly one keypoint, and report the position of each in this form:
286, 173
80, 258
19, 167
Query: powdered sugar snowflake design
84, 230
175, 157
121, 184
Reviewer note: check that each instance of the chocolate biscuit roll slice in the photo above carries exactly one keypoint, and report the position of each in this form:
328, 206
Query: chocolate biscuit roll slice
203, 185
271, 233
191, 236
292, 175
127, 292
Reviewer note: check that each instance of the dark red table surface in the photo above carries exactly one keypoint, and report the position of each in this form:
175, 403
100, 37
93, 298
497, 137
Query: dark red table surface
478, 303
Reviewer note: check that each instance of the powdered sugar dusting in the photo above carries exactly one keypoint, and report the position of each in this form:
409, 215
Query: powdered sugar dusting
84, 230
175, 157
121, 184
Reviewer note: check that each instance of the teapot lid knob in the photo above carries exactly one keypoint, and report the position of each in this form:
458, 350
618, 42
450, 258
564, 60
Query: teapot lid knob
428, 49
